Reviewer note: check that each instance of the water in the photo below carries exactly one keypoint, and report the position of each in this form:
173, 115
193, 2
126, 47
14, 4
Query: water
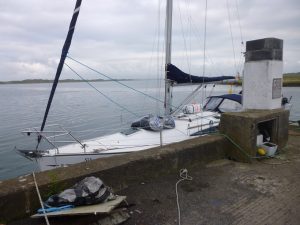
82, 110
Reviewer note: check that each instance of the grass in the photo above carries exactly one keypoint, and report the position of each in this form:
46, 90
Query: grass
289, 80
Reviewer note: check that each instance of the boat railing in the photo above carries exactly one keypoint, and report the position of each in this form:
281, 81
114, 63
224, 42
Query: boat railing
202, 125
50, 136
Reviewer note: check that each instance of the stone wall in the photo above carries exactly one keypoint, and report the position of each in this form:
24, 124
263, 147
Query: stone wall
18, 197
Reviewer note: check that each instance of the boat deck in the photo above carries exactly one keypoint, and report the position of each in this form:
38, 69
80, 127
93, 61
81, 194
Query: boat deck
142, 139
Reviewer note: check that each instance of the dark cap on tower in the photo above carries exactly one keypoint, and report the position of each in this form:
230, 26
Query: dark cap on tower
264, 49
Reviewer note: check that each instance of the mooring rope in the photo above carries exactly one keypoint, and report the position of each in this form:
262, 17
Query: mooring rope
183, 176
40, 199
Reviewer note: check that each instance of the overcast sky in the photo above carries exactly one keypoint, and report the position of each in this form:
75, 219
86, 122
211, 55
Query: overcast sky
121, 37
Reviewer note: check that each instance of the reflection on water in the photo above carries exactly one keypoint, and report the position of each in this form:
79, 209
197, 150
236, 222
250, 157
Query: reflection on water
83, 111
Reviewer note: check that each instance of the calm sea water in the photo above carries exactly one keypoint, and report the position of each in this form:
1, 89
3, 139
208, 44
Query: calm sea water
85, 112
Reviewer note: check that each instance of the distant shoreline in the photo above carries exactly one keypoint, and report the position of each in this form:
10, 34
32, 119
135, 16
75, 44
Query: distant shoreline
44, 81
289, 80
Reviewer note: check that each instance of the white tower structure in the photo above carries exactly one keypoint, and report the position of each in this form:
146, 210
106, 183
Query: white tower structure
262, 82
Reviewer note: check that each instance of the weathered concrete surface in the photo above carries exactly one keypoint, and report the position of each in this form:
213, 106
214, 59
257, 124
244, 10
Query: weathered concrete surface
225, 193
222, 192
242, 128
18, 198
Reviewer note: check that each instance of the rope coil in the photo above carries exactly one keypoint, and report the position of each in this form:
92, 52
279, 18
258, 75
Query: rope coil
183, 174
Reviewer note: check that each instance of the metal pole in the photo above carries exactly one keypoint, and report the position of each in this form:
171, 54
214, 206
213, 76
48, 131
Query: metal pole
168, 30
160, 136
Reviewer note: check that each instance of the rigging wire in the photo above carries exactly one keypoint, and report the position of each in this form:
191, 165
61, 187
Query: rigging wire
119, 82
188, 98
154, 58
189, 22
204, 47
151, 97
231, 35
197, 33
213, 87
184, 42
241, 36
158, 74
188, 3
104, 95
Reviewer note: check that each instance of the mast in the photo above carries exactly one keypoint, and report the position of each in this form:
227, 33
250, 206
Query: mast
168, 30
64, 53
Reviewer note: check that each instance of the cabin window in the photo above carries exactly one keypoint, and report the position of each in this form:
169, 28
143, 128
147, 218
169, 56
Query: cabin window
230, 106
212, 104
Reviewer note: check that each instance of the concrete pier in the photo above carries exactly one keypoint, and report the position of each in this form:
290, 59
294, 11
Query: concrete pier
221, 192
18, 197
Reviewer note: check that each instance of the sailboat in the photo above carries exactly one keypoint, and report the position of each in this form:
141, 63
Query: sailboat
177, 124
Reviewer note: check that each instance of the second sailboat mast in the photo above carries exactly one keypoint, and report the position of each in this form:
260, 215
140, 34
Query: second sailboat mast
168, 37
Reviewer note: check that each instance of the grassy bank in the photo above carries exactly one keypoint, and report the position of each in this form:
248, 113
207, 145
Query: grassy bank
289, 80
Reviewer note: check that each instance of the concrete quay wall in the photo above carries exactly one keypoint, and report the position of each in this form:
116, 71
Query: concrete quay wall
18, 197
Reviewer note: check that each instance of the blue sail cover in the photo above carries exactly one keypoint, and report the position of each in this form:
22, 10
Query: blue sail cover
180, 77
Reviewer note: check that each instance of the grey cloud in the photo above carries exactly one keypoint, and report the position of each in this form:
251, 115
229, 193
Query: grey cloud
119, 37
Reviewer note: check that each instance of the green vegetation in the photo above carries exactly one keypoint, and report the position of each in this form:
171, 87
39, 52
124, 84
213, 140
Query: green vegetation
54, 186
289, 80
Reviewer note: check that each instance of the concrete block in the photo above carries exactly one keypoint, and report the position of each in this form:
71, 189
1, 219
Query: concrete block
265, 54
265, 43
243, 128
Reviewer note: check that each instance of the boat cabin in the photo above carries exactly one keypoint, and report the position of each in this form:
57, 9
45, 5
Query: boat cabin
223, 103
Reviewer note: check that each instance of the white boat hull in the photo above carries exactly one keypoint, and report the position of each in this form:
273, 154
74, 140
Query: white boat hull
119, 143
61, 160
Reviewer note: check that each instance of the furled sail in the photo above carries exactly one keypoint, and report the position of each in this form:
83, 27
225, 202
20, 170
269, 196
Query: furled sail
64, 53
180, 77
